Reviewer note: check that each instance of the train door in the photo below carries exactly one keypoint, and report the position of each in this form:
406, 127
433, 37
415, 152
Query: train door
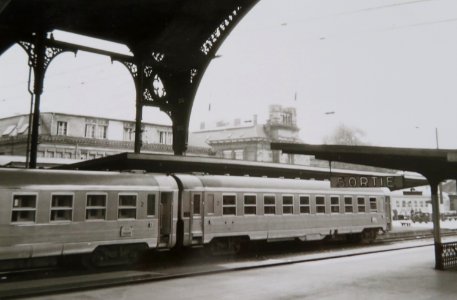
197, 215
166, 218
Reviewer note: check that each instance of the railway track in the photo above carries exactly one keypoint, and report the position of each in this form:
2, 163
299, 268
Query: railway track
52, 281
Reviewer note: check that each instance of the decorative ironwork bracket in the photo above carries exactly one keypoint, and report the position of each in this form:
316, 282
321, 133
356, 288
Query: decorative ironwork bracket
50, 53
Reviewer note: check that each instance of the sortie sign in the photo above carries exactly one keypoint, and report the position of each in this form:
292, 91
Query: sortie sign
356, 181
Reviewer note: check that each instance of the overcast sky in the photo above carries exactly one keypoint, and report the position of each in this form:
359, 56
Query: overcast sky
388, 67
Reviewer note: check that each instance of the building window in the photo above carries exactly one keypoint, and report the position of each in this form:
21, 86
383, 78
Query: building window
62, 128
127, 207
96, 207
24, 208
320, 204
287, 205
61, 208
348, 206
239, 154
334, 204
304, 205
250, 204
102, 129
228, 205
96, 129
287, 119
269, 204
129, 133
361, 204
227, 154
90, 131
165, 137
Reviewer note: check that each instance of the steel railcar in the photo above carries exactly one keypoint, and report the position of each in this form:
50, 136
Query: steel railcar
112, 216
228, 211
109, 214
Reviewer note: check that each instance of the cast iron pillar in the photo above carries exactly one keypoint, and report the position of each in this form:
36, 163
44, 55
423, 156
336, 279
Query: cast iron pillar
436, 224
181, 93
40, 56
36, 53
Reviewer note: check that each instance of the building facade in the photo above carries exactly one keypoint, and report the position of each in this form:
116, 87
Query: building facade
248, 140
83, 137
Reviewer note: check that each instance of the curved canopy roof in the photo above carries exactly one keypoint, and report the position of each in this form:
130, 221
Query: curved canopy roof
180, 29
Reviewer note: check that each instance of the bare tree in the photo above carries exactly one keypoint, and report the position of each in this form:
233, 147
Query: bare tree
344, 135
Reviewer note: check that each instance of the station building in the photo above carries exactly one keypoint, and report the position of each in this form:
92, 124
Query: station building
77, 137
404, 203
248, 140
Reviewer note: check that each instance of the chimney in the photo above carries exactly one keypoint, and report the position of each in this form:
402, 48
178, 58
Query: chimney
202, 125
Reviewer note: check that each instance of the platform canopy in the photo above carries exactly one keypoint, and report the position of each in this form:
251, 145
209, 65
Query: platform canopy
180, 28
172, 42
217, 166
435, 164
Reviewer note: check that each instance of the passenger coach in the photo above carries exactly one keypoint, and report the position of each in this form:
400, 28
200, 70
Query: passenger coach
112, 214
228, 211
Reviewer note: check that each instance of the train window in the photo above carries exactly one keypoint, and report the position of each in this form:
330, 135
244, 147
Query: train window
210, 204
269, 204
61, 208
197, 208
96, 207
287, 204
151, 209
348, 206
335, 204
373, 204
360, 204
304, 205
229, 205
24, 208
250, 204
320, 204
127, 207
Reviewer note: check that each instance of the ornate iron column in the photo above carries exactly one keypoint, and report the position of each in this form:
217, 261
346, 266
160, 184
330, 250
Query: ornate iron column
40, 56
436, 224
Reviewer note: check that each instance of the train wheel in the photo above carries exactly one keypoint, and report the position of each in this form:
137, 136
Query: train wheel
238, 245
354, 238
369, 235
218, 246
98, 258
131, 254
227, 246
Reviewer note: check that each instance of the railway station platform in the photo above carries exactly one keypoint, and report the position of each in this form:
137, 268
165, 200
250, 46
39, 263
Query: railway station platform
406, 273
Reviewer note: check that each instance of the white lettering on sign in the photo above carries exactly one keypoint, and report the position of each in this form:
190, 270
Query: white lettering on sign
366, 181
